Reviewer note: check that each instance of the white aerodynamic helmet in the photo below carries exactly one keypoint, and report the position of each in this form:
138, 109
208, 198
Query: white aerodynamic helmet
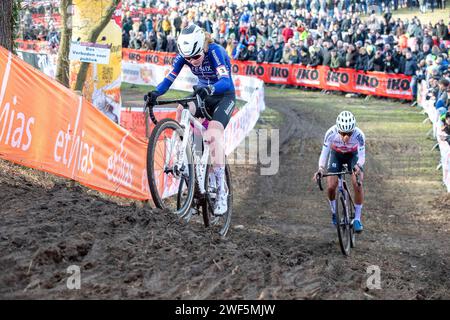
191, 41
346, 121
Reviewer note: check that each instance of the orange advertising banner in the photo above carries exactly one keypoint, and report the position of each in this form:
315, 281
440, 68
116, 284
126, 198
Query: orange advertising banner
321, 77
46, 126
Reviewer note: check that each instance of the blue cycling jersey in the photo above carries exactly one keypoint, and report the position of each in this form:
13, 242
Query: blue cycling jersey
215, 70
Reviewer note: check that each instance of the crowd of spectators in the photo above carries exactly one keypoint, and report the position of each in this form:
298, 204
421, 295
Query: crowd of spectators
307, 32
39, 22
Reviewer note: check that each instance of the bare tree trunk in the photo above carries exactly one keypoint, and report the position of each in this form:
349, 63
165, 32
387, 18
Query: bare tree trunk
6, 24
82, 73
63, 66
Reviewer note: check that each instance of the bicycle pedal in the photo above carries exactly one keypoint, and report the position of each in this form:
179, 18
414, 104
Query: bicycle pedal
214, 220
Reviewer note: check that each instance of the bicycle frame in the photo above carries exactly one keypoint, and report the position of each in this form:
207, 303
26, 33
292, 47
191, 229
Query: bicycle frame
186, 120
342, 183
343, 188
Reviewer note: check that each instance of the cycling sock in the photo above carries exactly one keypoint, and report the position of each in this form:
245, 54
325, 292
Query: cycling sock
219, 172
332, 205
358, 208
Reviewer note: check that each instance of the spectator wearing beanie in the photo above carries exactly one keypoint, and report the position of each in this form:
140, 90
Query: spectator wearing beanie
336, 62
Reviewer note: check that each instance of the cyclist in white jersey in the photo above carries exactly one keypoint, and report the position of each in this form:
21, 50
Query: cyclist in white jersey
344, 143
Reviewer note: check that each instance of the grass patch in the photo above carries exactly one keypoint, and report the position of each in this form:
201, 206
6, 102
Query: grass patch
269, 118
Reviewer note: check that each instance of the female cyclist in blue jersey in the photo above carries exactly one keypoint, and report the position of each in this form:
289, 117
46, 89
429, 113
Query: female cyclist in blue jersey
211, 64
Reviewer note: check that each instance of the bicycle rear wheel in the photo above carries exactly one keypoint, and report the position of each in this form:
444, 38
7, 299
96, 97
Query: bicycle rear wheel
223, 222
343, 225
171, 185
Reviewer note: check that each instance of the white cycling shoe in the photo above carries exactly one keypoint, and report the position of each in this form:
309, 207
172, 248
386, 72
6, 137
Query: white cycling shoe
221, 204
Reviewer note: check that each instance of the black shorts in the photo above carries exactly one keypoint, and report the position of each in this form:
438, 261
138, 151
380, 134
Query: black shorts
337, 159
219, 106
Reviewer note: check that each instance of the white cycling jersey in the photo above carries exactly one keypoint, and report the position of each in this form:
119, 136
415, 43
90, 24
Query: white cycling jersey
333, 141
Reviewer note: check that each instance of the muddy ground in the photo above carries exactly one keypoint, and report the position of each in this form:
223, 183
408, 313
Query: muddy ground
281, 245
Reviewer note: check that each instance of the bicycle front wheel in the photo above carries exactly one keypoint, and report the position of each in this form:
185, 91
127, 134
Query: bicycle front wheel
352, 231
170, 171
343, 225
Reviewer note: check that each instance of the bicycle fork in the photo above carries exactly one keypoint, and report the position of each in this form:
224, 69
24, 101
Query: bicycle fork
180, 164
341, 189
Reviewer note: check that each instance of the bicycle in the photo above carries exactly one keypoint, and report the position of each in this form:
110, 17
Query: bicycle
344, 225
178, 168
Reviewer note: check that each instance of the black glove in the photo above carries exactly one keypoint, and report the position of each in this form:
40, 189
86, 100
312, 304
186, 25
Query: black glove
151, 97
203, 92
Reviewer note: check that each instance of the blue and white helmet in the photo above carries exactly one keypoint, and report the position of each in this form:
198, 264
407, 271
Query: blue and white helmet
191, 41
346, 121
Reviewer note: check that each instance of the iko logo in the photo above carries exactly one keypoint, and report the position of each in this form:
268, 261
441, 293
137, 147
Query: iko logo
14, 124
119, 170
80, 153
367, 81
337, 77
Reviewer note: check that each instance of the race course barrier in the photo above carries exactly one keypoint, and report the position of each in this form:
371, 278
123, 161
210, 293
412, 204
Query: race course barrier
396, 86
444, 147
46, 126
343, 79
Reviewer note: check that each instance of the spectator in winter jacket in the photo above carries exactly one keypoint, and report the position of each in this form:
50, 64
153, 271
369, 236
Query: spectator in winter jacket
278, 52
389, 63
362, 62
287, 33
410, 64
171, 44
177, 24
441, 103
166, 26
161, 42
269, 51
378, 61
350, 58
335, 60
260, 55
304, 58
315, 57
251, 53
325, 53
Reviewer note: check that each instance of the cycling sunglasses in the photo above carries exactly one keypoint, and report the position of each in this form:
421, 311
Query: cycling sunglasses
193, 58
346, 133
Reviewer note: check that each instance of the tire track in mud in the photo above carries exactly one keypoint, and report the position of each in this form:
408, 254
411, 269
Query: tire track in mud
407, 256
286, 249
